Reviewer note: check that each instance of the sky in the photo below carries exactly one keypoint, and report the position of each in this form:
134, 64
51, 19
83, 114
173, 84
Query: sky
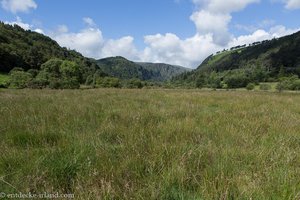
179, 32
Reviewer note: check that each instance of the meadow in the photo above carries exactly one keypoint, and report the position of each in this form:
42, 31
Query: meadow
151, 144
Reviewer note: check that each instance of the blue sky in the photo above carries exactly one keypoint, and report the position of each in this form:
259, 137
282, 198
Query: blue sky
179, 32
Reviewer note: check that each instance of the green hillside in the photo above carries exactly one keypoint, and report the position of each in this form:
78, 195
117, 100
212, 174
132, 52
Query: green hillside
164, 71
263, 61
29, 50
124, 69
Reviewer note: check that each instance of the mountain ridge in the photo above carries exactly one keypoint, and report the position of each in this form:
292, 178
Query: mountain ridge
123, 68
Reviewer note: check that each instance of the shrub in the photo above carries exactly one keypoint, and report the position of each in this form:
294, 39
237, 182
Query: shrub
236, 79
250, 86
288, 83
135, 83
33, 72
108, 82
295, 85
265, 87
58, 74
19, 79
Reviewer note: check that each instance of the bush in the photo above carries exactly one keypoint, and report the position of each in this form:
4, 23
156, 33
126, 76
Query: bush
108, 82
295, 85
236, 79
19, 79
135, 83
33, 72
289, 83
265, 87
58, 74
250, 86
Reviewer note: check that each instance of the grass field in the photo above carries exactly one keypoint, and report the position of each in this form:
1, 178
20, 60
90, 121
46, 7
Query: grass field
151, 144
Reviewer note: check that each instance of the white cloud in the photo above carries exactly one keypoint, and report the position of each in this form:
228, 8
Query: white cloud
170, 48
215, 23
123, 47
89, 21
16, 6
260, 35
214, 16
25, 26
20, 23
38, 30
221, 6
88, 41
62, 29
264, 24
91, 43
292, 4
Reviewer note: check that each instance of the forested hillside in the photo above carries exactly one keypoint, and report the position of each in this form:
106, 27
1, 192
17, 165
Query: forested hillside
164, 71
29, 50
124, 69
265, 61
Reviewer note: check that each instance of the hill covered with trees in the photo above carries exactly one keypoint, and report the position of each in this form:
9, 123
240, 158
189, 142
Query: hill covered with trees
164, 71
29, 50
124, 69
273, 60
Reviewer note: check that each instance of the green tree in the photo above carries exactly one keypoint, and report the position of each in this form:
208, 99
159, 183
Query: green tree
58, 74
108, 82
19, 79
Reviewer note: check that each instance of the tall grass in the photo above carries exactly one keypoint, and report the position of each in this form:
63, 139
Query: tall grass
151, 144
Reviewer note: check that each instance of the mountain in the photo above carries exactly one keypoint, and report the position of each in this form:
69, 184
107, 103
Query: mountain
164, 71
124, 69
261, 61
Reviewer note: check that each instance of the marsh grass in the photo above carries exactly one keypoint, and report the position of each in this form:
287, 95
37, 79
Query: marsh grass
151, 144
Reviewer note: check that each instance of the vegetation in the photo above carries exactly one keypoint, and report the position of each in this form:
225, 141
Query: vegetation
264, 86
289, 83
19, 79
154, 144
267, 61
163, 71
4, 80
250, 86
31, 51
122, 68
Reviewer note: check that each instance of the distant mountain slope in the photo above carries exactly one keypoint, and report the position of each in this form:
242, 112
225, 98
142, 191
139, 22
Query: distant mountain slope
124, 69
165, 71
273, 56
